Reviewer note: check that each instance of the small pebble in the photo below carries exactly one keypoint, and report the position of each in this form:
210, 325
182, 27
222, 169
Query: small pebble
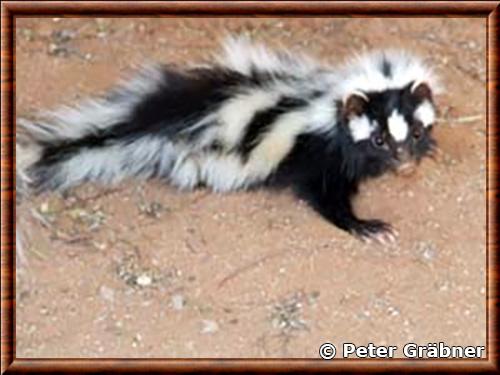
44, 208
209, 326
107, 293
178, 302
144, 280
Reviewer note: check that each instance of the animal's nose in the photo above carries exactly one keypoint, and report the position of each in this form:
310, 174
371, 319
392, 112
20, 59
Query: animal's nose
405, 165
402, 154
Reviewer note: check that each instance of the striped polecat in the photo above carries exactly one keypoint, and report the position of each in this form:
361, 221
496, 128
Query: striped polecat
254, 117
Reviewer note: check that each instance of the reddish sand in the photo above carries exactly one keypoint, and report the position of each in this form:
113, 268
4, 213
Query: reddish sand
141, 270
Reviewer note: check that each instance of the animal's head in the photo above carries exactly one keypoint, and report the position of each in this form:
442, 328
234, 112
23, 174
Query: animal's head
389, 111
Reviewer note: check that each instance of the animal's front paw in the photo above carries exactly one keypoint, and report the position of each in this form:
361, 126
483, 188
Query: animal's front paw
374, 230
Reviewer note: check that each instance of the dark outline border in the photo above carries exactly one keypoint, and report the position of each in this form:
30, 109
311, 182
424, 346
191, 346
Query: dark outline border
12, 9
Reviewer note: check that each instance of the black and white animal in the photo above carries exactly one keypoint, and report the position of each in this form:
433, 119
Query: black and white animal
253, 118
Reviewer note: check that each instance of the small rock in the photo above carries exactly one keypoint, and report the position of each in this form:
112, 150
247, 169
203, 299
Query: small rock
57, 50
100, 245
144, 280
444, 286
393, 311
429, 254
107, 293
209, 326
28, 34
31, 329
44, 208
178, 302
427, 251
136, 340
62, 36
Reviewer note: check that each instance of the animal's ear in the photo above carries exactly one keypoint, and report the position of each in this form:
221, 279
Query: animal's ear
421, 90
355, 105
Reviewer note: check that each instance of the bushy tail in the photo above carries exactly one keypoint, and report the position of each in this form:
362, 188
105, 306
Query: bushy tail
24, 157
71, 145
147, 127
59, 149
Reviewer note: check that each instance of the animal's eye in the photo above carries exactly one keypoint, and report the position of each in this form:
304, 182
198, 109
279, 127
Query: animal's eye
417, 133
417, 130
378, 140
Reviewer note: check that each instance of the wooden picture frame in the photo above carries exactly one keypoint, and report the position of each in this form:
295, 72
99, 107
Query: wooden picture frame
13, 9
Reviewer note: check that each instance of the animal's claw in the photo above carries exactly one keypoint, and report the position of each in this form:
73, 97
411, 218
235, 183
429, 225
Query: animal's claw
376, 230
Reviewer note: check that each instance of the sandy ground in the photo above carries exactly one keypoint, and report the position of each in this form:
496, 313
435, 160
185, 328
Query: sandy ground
141, 270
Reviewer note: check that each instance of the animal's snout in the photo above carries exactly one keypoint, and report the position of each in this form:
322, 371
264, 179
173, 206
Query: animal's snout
405, 163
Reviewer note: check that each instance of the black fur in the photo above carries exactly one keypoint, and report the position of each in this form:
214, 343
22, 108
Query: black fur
263, 120
186, 98
386, 68
326, 170
326, 173
380, 107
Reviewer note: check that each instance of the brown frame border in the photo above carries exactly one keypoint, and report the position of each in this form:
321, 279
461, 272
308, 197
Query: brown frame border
12, 9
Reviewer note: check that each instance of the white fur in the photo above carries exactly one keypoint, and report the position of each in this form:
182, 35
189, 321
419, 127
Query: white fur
365, 73
185, 173
113, 163
73, 122
426, 113
321, 115
208, 134
148, 79
26, 155
361, 128
223, 173
186, 162
241, 55
398, 127
227, 172
276, 145
219, 172
236, 113
190, 164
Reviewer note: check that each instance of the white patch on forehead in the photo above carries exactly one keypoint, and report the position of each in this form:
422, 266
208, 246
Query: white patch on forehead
425, 113
398, 127
361, 128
